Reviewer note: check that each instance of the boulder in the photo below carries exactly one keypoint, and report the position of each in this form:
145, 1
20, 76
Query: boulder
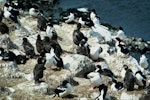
78, 64
6, 42
31, 87
11, 70
130, 96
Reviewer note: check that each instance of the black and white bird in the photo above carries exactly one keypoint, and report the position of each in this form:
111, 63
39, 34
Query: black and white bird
50, 32
34, 12
105, 71
95, 52
143, 59
116, 85
140, 79
121, 33
28, 48
83, 48
58, 62
46, 44
41, 22
95, 79
78, 35
1, 15
129, 80
38, 70
103, 95
64, 89
121, 47
68, 17
85, 22
40, 46
12, 14
7, 55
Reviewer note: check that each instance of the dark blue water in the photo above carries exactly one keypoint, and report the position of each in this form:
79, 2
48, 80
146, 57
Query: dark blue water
132, 15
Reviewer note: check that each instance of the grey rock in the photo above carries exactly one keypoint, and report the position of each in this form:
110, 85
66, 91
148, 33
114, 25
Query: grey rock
78, 64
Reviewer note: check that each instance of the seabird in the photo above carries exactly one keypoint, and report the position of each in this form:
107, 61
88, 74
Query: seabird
1, 15
116, 86
95, 79
4, 28
78, 35
103, 92
105, 71
69, 18
140, 79
50, 32
143, 59
40, 46
34, 12
41, 22
83, 48
121, 33
85, 22
7, 55
58, 62
94, 52
28, 48
121, 47
129, 80
12, 14
38, 70
64, 89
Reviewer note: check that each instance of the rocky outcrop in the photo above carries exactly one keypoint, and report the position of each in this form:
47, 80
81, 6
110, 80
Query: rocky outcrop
130, 96
41, 88
78, 64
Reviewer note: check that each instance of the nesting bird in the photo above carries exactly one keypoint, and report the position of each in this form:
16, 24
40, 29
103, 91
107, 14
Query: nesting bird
121, 34
38, 70
41, 22
121, 47
12, 14
95, 79
7, 55
78, 35
40, 46
28, 48
83, 48
69, 18
85, 22
140, 79
116, 86
129, 80
143, 59
4, 28
103, 92
105, 71
50, 32
34, 12
95, 52
64, 89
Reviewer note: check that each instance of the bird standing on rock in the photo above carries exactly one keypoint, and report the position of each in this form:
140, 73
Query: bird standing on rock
38, 70
64, 89
129, 80
40, 46
50, 32
29, 49
78, 35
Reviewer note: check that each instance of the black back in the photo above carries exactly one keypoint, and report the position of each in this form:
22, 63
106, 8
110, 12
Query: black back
29, 49
42, 22
129, 80
4, 28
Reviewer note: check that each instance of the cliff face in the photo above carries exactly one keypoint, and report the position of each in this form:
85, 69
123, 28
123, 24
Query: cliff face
16, 81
